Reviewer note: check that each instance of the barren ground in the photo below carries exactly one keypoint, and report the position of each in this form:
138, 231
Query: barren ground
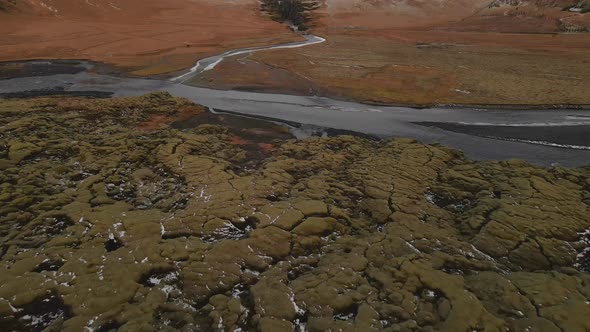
427, 53
141, 37
422, 67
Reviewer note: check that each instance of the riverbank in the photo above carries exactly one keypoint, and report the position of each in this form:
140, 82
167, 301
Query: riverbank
378, 121
285, 84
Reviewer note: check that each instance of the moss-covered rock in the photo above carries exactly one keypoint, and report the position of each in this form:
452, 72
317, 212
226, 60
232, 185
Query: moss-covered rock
117, 220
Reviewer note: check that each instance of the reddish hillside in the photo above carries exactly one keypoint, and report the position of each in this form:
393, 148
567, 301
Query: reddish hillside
104, 9
395, 13
529, 16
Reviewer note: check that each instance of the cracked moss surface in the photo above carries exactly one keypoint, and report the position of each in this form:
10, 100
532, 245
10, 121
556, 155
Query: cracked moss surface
109, 223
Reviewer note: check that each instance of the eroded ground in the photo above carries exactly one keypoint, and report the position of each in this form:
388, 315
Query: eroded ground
112, 219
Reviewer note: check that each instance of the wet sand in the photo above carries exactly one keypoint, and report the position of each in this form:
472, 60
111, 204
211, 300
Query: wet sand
567, 137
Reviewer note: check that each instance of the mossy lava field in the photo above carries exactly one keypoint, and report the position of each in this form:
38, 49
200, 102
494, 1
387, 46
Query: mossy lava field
116, 214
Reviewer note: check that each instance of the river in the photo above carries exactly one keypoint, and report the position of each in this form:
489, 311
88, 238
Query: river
542, 137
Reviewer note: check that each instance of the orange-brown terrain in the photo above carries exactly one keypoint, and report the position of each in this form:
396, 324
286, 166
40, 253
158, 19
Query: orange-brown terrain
148, 36
384, 51
431, 52
150, 213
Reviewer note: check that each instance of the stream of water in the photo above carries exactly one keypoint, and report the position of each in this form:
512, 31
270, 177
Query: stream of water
543, 137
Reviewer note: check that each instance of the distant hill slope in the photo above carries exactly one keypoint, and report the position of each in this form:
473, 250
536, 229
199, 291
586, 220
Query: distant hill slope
529, 16
396, 13
92, 8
